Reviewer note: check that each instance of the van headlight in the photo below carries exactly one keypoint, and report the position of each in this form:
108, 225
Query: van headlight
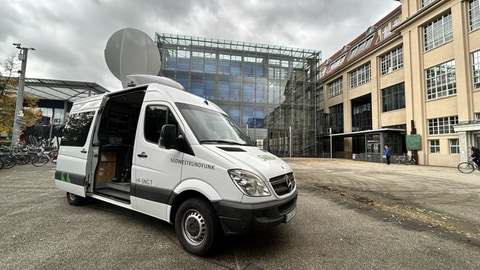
249, 183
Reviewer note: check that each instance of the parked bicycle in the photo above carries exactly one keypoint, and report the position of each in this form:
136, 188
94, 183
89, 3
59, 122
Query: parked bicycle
21, 154
405, 159
38, 156
7, 157
467, 166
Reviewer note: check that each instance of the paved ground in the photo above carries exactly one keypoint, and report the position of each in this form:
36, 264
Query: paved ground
351, 215
439, 196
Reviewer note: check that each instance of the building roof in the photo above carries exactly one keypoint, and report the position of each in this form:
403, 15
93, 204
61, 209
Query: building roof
367, 132
62, 90
367, 42
234, 45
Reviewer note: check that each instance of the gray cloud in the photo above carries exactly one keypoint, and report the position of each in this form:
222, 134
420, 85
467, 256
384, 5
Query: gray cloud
70, 36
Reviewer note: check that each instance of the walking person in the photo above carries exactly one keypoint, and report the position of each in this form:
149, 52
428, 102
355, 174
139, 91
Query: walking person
386, 153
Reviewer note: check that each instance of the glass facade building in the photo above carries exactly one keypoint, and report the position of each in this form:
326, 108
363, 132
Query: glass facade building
270, 91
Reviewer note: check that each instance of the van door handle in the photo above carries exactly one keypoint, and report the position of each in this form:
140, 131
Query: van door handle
142, 155
83, 151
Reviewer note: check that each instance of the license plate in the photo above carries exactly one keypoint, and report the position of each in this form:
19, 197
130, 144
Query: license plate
290, 215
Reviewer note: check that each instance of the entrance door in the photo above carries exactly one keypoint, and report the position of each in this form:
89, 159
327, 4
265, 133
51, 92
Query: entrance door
374, 151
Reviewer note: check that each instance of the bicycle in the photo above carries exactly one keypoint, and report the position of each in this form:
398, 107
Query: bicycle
7, 157
21, 155
410, 160
39, 156
467, 166
405, 159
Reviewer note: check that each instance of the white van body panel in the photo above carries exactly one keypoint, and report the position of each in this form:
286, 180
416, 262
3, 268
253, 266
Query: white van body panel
255, 160
68, 187
251, 158
74, 160
199, 186
158, 179
151, 208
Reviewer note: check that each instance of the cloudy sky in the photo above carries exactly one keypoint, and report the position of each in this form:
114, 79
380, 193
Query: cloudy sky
69, 36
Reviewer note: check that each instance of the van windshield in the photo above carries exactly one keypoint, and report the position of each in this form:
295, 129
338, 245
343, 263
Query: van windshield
213, 127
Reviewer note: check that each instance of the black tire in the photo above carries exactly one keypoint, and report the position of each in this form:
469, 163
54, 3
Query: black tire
39, 161
197, 227
75, 199
1, 164
465, 167
10, 161
23, 159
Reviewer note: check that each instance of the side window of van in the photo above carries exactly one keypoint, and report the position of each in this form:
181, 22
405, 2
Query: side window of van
155, 117
76, 130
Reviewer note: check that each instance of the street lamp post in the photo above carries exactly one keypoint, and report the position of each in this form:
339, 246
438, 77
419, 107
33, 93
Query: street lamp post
290, 140
17, 121
331, 144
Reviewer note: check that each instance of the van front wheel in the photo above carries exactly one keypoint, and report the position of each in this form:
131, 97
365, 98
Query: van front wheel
75, 199
197, 227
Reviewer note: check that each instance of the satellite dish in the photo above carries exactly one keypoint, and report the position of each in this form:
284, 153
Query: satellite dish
131, 51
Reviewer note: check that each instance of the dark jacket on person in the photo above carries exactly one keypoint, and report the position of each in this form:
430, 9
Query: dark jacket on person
475, 152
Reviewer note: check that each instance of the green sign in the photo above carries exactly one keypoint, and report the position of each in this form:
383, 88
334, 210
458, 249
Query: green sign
414, 142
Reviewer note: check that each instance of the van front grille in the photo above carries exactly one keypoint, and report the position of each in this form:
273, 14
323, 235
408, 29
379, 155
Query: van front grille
283, 184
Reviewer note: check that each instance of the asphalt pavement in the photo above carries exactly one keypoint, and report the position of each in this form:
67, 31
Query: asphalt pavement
351, 215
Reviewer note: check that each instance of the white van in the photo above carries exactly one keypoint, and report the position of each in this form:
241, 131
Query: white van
164, 152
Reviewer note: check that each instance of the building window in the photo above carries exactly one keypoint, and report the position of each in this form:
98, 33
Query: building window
474, 13
442, 125
385, 32
426, 2
395, 22
320, 97
336, 118
335, 87
362, 113
454, 146
391, 61
251, 83
438, 32
361, 46
393, 97
434, 146
441, 81
476, 69
338, 62
360, 76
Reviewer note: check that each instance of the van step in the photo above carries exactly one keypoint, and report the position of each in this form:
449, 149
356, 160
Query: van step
114, 193
125, 187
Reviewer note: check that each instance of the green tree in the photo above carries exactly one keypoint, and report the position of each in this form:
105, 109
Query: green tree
8, 98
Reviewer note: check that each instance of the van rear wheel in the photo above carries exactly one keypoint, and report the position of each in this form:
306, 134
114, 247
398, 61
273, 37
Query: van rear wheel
75, 199
197, 227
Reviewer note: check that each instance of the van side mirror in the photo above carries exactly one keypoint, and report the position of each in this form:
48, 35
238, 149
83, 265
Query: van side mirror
168, 136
